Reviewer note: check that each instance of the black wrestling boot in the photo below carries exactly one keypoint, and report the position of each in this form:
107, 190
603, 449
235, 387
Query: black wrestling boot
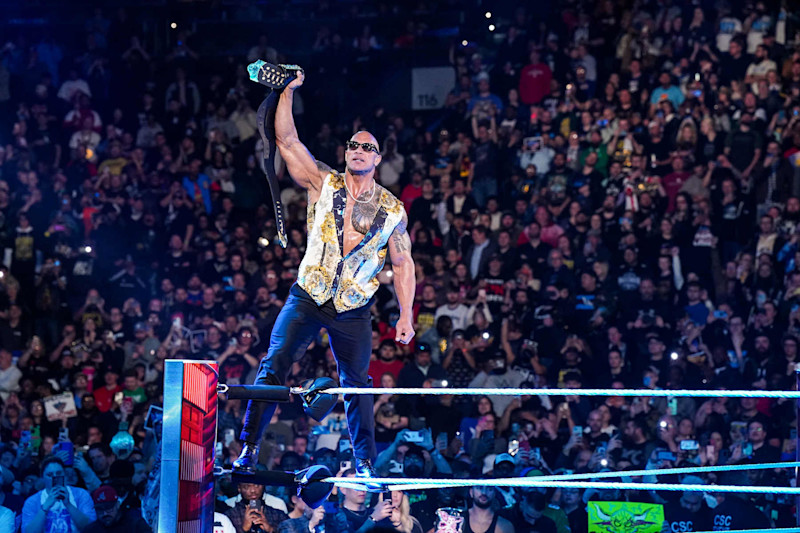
364, 470
247, 461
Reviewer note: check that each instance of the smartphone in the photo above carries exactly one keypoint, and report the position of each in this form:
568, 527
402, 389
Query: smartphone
513, 447
127, 401
577, 431
672, 404
689, 445
58, 481
710, 450
176, 322
118, 397
345, 465
601, 450
229, 437
747, 449
441, 442
253, 504
720, 314
536, 454
697, 93
665, 456
414, 436
66, 446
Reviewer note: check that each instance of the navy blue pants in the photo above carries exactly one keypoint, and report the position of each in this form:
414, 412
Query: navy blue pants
350, 336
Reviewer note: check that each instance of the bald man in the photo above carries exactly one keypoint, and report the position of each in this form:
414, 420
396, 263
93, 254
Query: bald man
352, 221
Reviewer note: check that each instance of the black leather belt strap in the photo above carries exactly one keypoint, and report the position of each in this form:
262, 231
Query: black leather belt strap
276, 77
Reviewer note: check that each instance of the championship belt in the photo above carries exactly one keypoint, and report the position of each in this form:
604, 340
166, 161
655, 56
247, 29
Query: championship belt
276, 77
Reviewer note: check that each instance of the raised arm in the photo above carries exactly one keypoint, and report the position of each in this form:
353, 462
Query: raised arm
302, 166
405, 280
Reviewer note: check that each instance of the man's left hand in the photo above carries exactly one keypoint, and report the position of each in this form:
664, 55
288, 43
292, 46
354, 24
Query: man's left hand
404, 330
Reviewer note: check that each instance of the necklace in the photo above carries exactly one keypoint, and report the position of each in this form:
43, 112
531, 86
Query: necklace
374, 184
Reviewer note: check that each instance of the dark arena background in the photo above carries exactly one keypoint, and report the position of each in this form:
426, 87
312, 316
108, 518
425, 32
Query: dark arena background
420, 266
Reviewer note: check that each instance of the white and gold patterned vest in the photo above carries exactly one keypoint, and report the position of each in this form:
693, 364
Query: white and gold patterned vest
350, 280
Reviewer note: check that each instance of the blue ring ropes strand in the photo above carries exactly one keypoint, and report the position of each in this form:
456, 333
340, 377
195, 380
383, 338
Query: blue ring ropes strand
532, 482
569, 480
683, 393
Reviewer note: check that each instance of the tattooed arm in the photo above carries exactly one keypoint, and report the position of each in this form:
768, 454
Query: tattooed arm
405, 282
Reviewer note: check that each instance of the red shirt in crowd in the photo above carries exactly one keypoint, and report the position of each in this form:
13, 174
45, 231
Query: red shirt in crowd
672, 183
534, 83
378, 368
104, 398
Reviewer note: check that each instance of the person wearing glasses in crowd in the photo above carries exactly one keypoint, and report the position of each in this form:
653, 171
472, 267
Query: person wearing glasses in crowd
352, 221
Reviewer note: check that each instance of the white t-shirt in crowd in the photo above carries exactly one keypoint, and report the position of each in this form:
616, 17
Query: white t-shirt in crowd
728, 27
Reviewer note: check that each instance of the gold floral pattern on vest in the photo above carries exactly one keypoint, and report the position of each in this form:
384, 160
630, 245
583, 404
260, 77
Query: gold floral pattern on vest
324, 272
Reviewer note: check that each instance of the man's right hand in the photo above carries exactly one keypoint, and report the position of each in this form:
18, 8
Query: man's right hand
382, 510
54, 495
251, 516
298, 81
317, 516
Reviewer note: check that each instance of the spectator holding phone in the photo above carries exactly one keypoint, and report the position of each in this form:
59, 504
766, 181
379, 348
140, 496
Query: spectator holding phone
57, 508
354, 515
251, 514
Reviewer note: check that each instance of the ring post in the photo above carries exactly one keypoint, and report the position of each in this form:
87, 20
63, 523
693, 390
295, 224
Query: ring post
797, 446
189, 436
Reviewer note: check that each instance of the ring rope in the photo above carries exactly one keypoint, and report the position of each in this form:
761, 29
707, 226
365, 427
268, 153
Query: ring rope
683, 393
392, 484
633, 473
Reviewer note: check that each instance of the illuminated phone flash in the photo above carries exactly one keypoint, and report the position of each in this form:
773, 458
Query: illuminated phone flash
485, 335
87, 249
263, 241
389, 273
488, 14
674, 356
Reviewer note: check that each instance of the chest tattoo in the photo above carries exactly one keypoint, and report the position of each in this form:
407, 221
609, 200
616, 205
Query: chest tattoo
364, 212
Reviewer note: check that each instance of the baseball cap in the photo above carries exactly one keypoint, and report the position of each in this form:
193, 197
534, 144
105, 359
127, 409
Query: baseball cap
104, 497
503, 458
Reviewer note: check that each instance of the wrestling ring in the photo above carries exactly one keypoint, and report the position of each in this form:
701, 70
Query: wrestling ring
190, 434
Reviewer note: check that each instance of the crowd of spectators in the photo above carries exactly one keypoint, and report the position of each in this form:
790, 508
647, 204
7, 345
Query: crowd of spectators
609, 197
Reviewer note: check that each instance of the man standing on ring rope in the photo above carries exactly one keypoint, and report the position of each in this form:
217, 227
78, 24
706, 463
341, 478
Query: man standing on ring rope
351, 222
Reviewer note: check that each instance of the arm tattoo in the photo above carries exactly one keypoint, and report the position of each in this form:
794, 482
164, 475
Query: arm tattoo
400, 238
322, 167
364, 212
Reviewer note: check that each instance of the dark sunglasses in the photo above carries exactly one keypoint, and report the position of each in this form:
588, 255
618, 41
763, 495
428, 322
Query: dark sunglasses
367, 147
